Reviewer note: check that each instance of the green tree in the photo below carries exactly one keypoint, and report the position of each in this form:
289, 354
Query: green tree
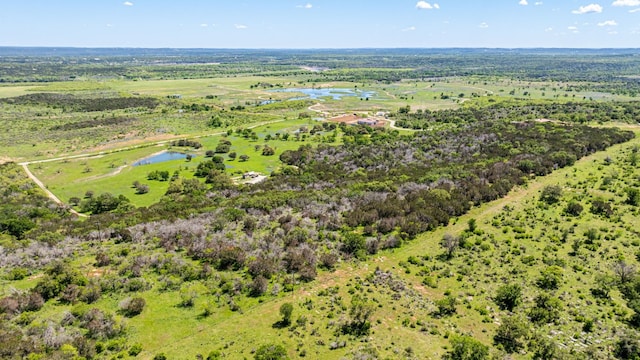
286, 310
550, 278
551, 194
546, 310
359, 313
268, 150
450, 243
627, 346
510, 334
446, 306
466, 348
633, 196
508, 296
271, 352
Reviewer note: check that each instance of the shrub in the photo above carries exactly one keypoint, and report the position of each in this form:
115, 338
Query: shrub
446, 306
510, 334
633, 196
546, 310
550, 278
574, 208
214, 355
466, 348
135, 349
601, 207
286, 310
271, 352
132, 306
142, 189
508, 296
551, 194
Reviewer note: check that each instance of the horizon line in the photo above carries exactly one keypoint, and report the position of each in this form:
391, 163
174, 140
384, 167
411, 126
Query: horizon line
316, 48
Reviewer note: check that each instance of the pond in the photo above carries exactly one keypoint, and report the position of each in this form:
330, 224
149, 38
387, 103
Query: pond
161, 157
334, 93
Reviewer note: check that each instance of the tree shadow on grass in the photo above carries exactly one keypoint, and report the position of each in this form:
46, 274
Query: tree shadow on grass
281, 324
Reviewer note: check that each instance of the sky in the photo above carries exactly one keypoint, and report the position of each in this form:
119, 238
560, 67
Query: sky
293, 24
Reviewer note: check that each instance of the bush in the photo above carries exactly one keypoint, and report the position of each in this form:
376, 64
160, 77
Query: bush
214, 355
573, 208
268, 151
510, 334
135, 349
446, 306
508, 296
286, 310
132, 306
550, 278
627, 347
547, 309
466, 348
271, 352
142, 189
551, 194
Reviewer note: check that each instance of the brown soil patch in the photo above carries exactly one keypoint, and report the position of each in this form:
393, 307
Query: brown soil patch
96, 273
347, 119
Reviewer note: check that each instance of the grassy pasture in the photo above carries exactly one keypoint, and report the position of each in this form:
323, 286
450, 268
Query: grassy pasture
113, 172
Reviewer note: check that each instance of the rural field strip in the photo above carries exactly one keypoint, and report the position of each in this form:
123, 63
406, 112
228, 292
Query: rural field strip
25, 164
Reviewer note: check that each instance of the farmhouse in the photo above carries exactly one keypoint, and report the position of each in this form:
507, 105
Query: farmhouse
250, 175
368, 122
355, 119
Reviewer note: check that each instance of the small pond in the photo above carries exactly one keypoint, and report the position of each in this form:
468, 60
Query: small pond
334, 93
161, 157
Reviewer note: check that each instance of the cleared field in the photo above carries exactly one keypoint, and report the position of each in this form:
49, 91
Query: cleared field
113, 172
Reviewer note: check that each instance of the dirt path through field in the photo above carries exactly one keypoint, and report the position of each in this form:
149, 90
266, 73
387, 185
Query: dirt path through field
51, 195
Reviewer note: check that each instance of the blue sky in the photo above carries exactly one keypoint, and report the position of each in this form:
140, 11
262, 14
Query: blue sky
321, 23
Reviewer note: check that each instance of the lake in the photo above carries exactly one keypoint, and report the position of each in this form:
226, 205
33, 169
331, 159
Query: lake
334, 93
161, 157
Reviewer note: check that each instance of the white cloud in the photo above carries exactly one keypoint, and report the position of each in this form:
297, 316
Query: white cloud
523, 2
538, 3
548, 29
127, 3
410, 28
613, 33
608, 23
109, 25
626, 3
572, 28
306, 6
591, 8
425, 5
240, 26
634, 10
483, 25
203, 25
